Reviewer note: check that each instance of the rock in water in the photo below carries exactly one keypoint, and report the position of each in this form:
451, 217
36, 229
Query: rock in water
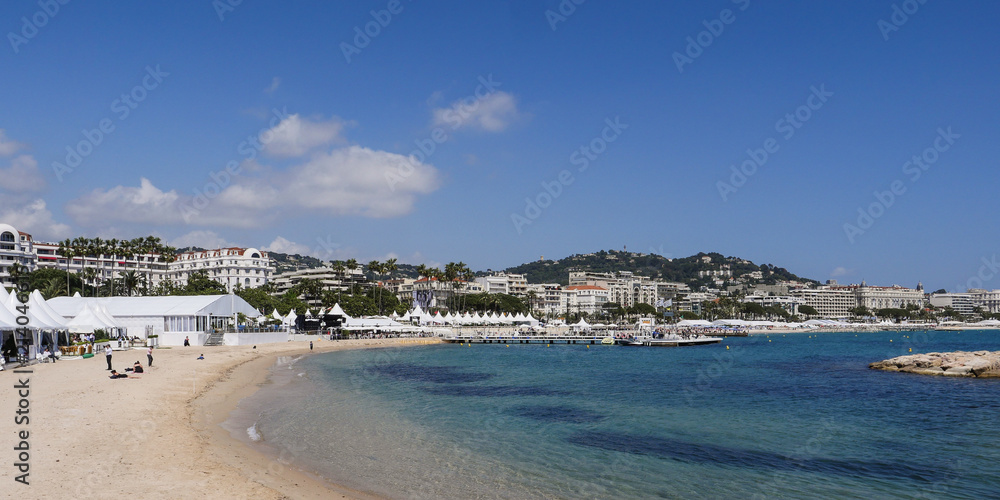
982, 364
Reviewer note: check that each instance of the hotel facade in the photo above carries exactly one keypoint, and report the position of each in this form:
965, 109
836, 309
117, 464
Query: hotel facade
246, 267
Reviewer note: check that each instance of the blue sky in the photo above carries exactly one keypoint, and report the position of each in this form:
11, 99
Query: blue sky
321, 129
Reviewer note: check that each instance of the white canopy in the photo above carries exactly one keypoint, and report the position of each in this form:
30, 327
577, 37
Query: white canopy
173, 305
87, 321
34, 318
336, 310
8, 319
693, 322
37, 302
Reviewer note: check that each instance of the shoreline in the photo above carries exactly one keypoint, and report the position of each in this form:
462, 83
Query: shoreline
155, 435
214, 406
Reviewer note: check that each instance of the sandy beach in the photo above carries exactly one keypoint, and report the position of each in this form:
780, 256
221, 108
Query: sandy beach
153, 436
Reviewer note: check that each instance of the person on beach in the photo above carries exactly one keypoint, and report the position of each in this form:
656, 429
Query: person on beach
149, 355
137, 367
187, 342
115, 374
310, 345
201, 357
107, 354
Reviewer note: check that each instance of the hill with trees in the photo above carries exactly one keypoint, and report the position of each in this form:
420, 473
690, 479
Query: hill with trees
682, 270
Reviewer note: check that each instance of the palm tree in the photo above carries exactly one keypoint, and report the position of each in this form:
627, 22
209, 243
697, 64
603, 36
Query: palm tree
17, 270
338, 267
352, 264
389, 267
89, 275
113, 247
375, 267
52, 289
131, 280
67, 250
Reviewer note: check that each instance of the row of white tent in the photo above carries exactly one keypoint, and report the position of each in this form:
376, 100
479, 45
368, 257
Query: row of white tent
41, 316
422, 317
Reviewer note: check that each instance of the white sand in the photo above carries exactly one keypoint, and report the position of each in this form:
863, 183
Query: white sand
155, 436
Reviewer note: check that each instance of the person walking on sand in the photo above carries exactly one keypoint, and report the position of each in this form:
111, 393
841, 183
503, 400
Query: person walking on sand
310, 345
149, 355
107, 354
187, 342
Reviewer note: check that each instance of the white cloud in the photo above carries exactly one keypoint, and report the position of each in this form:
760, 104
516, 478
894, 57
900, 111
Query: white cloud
8, 146
275, 83
145, 204
34, 218
202, 239
841, 271
345, 181
493, 112
282, 245
296, 136
351, 181
22, 175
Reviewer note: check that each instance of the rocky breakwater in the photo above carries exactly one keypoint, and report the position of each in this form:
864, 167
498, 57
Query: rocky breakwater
982, 364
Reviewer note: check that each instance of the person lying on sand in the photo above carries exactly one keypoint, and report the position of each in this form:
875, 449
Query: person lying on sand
115, 374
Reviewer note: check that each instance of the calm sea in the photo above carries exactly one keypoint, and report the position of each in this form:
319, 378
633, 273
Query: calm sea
779, 416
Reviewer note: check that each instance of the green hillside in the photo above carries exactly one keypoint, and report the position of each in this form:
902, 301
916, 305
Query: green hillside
683, 270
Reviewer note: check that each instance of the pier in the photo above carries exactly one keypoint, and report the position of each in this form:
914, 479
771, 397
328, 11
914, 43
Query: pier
581, 340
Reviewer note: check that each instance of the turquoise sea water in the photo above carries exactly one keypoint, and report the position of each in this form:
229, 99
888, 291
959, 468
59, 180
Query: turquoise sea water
779, 416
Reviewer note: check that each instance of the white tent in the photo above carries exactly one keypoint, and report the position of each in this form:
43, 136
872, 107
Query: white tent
290, 319
34, 318
438, 318
37, 302
336, 310
276, 316
693, 322
580, 325
8, 318
87, 321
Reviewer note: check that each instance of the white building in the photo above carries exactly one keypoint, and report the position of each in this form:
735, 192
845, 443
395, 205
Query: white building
247, 267
151, 266
888, 297
328, 277
546, 299
788, 303
174, 317
510, 284
829, 302
962, 303
589, 299
623, 287
430, 293
15, 248
988, 300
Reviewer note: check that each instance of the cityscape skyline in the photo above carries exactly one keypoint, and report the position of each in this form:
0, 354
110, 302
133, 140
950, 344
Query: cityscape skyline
848, 141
